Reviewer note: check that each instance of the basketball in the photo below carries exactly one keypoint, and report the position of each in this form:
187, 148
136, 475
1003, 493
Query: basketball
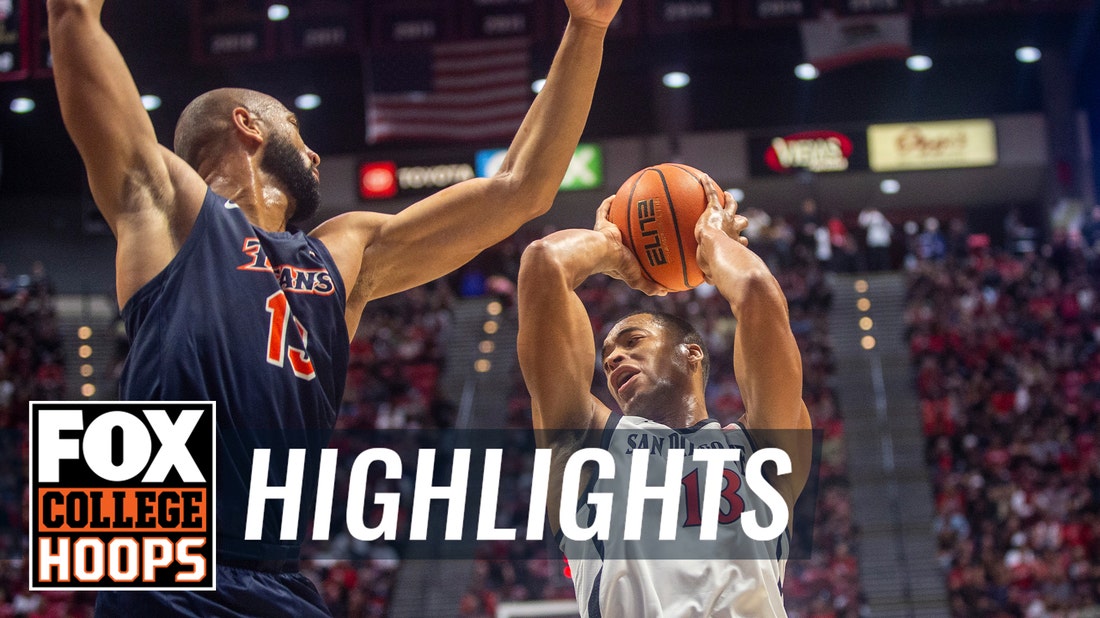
656, 210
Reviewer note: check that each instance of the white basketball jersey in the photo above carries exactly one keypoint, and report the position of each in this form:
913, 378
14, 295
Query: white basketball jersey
731, 575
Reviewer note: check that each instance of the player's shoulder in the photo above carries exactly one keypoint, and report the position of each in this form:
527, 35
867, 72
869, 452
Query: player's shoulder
351, 230
354, 220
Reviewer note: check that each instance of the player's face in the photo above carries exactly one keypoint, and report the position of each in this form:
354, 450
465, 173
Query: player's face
288, 158
639, 360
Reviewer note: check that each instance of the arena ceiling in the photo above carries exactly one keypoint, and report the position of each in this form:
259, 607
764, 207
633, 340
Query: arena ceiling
742, 79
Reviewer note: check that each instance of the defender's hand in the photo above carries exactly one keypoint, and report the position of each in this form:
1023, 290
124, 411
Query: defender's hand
625, 266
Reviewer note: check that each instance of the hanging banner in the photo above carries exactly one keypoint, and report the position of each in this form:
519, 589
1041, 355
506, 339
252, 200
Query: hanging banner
503, 18
229, 32
962, 7
321, 27
777, 12
835, 41
412, 21
670, 16
870, 7
14, 30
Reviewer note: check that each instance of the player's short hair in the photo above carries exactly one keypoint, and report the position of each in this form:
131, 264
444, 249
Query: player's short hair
681, 330
205, 122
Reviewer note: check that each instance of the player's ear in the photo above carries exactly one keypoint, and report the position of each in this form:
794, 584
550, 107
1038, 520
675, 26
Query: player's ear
247, 126
694, 353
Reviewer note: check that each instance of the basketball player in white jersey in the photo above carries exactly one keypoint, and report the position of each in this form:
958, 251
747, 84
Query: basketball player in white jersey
656, 369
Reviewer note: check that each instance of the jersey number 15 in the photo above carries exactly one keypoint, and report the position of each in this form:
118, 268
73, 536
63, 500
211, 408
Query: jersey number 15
278, 349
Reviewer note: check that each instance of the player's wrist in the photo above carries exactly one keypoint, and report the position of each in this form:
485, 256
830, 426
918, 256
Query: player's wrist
709, 237
588, 25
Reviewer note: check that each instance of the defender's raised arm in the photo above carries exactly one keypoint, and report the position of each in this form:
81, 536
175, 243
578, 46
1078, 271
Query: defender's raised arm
387, 254
148, 196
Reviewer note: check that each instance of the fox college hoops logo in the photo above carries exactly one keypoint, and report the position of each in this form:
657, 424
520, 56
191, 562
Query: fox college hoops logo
122, 495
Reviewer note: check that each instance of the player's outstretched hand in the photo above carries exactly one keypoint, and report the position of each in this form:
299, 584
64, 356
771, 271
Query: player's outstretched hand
626, 267
597, 12
720, 216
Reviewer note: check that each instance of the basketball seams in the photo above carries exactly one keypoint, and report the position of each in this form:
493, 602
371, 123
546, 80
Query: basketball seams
630, 228
688, 171
675, 226
643, 242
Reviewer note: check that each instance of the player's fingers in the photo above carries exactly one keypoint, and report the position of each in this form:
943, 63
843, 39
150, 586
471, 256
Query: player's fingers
603, 212
711, 191
605, 207
653, 289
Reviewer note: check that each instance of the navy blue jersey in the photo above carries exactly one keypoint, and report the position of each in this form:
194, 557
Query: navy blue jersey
254, 321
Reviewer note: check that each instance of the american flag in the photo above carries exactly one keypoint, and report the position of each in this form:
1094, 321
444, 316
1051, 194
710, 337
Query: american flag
472, 91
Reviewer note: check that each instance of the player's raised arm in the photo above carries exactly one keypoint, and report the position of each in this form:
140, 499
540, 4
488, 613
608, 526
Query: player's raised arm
557, 351
440, 233
135, 182
766, 360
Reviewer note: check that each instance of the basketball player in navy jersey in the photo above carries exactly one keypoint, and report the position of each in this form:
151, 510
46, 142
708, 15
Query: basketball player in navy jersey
656, 368
225, 300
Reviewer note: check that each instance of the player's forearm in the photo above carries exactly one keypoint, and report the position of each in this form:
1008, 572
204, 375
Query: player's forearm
568, 256
99, 101
543, 146
740, 276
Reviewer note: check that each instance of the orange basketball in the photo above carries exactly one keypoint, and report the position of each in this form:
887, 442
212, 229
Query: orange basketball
656, 210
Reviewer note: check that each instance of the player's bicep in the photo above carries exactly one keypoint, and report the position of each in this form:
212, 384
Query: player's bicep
440, 233
102, 110
768, 366
556, 347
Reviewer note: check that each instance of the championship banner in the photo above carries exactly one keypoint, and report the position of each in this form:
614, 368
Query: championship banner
321, 27
14, 32
413, 21
483, 19
230, 32
778, 12
932, 145
1050, 5
870, 7
672, 16
964, 7
42, 61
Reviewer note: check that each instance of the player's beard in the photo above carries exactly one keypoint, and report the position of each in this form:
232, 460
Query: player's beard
284, 162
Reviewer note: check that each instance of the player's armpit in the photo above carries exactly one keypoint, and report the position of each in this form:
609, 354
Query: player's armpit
103, 114
346, 237
147, 196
